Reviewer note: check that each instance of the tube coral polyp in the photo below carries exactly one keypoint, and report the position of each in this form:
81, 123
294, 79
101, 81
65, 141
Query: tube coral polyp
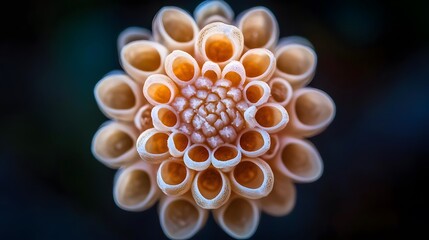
211, 116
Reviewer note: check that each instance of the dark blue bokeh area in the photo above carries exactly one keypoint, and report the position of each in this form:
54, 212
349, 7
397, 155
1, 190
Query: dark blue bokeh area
373, 61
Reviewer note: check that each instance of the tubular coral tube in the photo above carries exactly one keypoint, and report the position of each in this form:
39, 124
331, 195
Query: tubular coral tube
118, 96
113, 144
140, 59
259, 27
175, 29
135, 187
180, 217
239, 217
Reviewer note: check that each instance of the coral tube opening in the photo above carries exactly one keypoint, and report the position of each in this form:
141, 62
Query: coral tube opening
256, 64
157, 143
180, 141
183, 69
173, 173
134, 188
178, 26
181, 217
225, 153
159, 92
143, 57
167, 117
117, 95
257, 29
295, 60
254, 93
252, 141
219, 48
238, 216
198, 154
113, 143
268, 116
313, 108
297, 159
210, 183
248, 174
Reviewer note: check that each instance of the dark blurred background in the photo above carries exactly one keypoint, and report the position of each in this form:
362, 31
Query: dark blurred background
373, 61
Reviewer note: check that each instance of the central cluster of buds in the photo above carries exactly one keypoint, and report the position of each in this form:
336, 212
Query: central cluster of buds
217, 114
211, 109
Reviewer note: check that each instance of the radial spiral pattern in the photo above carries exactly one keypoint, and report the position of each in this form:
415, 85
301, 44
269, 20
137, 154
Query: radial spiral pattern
211, 116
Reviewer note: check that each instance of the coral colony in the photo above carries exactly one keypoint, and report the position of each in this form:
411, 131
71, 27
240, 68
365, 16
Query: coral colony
211, 115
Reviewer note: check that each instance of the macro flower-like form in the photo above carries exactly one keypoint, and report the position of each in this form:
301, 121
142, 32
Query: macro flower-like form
211, 115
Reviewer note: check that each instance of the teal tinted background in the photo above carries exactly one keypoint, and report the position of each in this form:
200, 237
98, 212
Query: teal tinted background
373, 61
